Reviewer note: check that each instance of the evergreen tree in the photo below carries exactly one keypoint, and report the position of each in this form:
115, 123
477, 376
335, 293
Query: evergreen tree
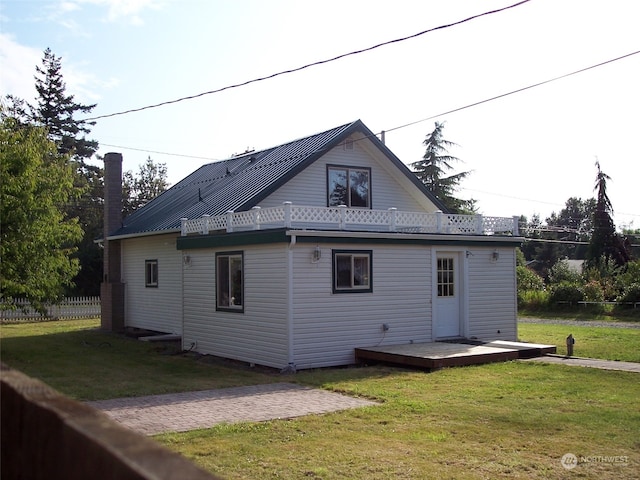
57, 111
605, 242
37, 238
433, 168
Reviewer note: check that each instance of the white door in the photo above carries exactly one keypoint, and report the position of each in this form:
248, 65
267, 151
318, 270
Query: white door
447, 301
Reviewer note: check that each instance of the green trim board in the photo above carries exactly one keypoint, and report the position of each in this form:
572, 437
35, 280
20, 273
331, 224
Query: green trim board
283, 235
234, 239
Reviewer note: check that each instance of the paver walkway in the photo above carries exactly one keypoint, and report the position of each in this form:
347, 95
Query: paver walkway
587, 362
181, 412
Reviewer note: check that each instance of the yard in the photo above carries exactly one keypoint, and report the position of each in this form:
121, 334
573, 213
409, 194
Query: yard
507, 420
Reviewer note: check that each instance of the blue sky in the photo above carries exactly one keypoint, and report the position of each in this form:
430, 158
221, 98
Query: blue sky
528, 152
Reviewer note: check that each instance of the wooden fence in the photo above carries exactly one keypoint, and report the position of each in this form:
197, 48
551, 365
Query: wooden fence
70, 308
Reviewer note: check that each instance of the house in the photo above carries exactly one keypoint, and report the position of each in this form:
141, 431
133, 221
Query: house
296, 255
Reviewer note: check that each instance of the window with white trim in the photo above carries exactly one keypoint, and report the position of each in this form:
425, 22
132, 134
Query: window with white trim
352, 271
151, 273
230, 281
348, 186
446, 277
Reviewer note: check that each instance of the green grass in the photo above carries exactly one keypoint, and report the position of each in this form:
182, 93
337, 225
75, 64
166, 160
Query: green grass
84, 363
505, 420
508, 420
622, 344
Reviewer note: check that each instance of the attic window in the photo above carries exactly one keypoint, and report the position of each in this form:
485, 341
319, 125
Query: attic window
348, 144
348, 186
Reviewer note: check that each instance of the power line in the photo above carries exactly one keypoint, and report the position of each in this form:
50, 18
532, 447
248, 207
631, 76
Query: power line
297, 69
428, 118
516, 91
160, 153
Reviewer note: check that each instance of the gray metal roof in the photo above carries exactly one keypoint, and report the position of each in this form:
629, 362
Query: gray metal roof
241, 182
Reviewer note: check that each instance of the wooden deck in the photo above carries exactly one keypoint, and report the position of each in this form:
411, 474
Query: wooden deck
432, 356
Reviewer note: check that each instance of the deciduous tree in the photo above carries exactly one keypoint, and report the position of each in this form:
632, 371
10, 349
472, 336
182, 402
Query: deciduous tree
37, 238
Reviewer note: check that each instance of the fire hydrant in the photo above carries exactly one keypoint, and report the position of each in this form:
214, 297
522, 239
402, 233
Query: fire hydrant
570, 342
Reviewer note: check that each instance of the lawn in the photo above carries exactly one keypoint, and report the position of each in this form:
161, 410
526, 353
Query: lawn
505, 420
622, 344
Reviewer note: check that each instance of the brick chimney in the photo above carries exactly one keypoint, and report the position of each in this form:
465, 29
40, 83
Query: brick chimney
112, 288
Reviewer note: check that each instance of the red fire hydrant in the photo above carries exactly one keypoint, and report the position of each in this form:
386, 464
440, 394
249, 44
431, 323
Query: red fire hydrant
570, 342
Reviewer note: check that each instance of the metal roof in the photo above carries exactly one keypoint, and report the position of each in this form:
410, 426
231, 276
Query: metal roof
239, 183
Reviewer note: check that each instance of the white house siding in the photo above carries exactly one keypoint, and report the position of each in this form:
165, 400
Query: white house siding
310, 186
328, 326
259, 334
492, 296
153, 308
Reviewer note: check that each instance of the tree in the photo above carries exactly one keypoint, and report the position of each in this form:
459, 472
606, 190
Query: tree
37, 238
57, 111
574, 223
150, 182
605, 242
432, 170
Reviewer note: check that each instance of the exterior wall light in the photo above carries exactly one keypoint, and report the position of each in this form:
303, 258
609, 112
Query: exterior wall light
317, 255
495, 256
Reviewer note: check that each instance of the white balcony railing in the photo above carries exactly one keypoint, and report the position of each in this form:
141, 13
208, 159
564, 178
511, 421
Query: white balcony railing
343, 218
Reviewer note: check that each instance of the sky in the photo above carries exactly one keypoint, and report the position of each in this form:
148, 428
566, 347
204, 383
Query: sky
527, 152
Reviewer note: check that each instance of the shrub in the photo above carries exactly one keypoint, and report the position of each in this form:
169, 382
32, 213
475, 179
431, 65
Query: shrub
566, 292
630, 294
561, 272
528, 279
533, 299
593, 292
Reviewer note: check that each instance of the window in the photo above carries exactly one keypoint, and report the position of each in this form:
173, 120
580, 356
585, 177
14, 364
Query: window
445, 277
348, 186
351, 271
151, 273
230, 281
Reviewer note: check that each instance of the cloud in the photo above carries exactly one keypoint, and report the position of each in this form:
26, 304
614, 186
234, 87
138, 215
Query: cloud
18, 67
117, 10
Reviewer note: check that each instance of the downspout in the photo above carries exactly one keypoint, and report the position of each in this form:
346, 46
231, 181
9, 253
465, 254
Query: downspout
290, 357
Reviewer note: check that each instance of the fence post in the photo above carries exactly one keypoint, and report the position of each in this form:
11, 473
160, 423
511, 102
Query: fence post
479, 228
439, 221
183, 227
256, 217
205, 224
229, 221
392, 219
343, 216
287, 214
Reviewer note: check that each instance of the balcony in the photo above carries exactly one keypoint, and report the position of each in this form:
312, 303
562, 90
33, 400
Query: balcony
356, 219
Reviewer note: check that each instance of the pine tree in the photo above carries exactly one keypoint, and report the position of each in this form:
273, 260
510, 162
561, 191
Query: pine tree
432, 170
56, 110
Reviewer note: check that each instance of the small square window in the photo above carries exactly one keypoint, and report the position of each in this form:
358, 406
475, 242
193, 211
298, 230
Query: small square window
230, 281
348, 186
151, 273
352, 271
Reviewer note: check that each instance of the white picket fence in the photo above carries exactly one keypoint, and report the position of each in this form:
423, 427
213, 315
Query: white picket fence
69, 308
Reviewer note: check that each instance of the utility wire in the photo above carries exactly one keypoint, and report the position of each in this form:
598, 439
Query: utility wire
159, 153
297, 69
516, 91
